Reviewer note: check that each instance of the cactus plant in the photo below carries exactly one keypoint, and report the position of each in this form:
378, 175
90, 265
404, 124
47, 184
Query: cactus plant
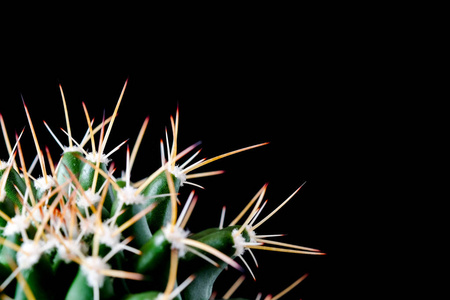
80, 232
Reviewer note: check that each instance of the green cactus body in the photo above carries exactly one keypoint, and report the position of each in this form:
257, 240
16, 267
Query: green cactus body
139, 230
70, 161
154, 263
152, 295
81, 290
206, 274
202, 287
220, 239
8, 253
13, 180
63, 246
8, 208
40, 279
143, 296
155, 254
87, 176
64, 274
159, 216
86, 180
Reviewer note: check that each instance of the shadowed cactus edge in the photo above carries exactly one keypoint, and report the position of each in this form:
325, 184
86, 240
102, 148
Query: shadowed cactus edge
79, 232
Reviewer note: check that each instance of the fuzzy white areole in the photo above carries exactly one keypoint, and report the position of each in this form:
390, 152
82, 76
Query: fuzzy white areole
92, 268
43, 184
17, 224
176, 235
94, 157
128, 196
4, 165
88, 198
30, 253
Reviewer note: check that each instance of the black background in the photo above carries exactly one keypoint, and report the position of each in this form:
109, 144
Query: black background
285, 82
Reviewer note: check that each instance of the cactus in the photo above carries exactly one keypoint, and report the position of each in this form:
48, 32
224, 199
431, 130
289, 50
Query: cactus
78, 232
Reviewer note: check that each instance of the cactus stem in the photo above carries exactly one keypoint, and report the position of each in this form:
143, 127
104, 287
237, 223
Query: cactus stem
135, 218
103, 173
